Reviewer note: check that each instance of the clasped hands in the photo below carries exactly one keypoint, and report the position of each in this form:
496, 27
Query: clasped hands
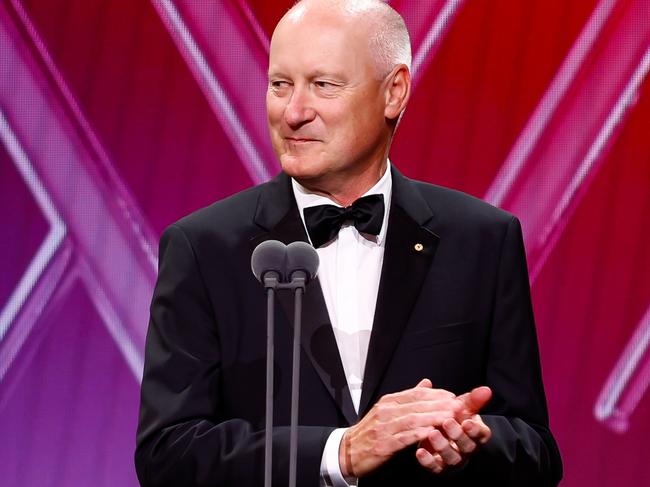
446, 427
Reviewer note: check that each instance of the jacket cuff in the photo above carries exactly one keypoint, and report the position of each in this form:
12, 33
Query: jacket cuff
330, 468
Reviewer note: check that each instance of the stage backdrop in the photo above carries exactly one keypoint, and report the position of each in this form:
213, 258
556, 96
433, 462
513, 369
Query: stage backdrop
117, 117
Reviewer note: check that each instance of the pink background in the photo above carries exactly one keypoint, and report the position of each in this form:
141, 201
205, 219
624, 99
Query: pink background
117, 117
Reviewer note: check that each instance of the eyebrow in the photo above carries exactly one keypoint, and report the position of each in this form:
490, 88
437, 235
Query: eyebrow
316, 73
272, 73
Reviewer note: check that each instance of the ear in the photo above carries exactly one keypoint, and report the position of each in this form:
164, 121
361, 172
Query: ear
398, 91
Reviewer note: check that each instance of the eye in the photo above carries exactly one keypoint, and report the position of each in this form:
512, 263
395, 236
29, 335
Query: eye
278, 84
324, 84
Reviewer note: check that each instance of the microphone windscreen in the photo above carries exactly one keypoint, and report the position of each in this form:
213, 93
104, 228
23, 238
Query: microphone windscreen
302, 257
270, 255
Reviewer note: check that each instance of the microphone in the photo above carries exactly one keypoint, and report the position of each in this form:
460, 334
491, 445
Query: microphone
268, 263
302, 262
283, 267
302, 266
269, 259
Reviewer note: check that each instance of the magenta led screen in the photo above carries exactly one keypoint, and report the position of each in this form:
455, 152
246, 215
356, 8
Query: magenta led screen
117, 117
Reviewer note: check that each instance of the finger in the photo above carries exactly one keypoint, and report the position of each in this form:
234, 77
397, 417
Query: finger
477, 430
425, 383
417, 394
452, 406
403, 439
471, 428
444, 448
430, 461
388, 411
455, 432
476, 399
391, 444
413, 421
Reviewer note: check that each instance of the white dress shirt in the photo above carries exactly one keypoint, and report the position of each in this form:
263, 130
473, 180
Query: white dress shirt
349, 272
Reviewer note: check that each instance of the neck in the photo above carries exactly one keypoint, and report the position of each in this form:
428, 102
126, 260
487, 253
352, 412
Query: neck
345, 189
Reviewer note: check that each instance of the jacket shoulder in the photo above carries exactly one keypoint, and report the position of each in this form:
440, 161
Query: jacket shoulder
227, 220
451, 205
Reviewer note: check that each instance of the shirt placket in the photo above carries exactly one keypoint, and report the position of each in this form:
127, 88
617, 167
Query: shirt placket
347, 308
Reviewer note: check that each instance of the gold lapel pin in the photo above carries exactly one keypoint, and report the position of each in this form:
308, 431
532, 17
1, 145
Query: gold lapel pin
418, 247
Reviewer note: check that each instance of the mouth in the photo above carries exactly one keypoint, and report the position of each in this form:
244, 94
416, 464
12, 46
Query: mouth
300, 140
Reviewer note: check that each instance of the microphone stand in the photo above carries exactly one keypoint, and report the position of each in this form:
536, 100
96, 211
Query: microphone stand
298, 285
271, 284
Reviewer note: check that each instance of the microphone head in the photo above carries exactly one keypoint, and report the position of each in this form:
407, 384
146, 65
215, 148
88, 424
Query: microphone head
269, 256
302, 257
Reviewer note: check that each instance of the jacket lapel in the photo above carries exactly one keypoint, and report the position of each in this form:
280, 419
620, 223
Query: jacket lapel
410, 246
277, 215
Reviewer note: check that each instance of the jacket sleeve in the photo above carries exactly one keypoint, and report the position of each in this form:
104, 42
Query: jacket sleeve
522, 450
183, 437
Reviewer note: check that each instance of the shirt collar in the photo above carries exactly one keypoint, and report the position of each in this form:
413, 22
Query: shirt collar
307, 199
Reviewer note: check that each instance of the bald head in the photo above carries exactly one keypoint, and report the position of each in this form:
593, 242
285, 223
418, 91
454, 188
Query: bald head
388, 39
338, 84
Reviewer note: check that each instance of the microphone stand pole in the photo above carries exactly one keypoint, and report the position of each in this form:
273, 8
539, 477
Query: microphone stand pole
270, 283
271, 262
298, 284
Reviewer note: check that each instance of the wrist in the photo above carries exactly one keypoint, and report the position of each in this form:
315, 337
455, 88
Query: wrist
345, 463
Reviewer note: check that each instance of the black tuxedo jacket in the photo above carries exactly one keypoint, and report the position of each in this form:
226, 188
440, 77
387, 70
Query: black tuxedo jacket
458, 312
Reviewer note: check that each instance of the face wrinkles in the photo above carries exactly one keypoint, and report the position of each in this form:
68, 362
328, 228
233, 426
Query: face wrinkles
325, 106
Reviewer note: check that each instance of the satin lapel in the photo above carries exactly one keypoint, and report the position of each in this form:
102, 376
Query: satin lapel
277, 213
410, 247
319, 344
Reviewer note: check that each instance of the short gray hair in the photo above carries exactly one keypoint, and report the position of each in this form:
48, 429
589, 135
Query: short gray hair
390, 43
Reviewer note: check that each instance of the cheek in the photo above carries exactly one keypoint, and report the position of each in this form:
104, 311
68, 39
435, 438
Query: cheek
274, 110
362, 126
366, 115
339, 120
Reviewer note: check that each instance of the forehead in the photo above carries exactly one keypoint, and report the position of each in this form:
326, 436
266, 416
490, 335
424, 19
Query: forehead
319, 43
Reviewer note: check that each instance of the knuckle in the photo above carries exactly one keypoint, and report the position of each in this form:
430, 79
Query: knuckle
454, 460
410, 437
487, 436
452, 431
418, 393
437, 463
378, 450
410, 421
404, 440
385, 398
427, 463
381, 412
373, 433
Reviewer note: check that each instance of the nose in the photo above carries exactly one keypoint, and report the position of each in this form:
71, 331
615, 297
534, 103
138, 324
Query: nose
299, 109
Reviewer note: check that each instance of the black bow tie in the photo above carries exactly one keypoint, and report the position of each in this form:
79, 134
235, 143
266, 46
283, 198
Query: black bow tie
324, 222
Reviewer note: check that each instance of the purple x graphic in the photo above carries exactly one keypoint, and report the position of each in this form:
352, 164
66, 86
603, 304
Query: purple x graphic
112, 244
99, 246
567, 138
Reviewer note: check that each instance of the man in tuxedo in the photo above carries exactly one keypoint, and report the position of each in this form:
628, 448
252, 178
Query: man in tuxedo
419, 355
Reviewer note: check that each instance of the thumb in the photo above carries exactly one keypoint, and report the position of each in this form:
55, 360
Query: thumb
476, 399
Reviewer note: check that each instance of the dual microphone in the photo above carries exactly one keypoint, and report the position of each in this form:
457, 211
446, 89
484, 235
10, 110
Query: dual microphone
283, 267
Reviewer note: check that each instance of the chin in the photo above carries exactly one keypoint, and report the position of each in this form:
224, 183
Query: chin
300, 167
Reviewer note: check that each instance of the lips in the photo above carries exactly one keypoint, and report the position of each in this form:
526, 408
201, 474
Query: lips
299, 140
